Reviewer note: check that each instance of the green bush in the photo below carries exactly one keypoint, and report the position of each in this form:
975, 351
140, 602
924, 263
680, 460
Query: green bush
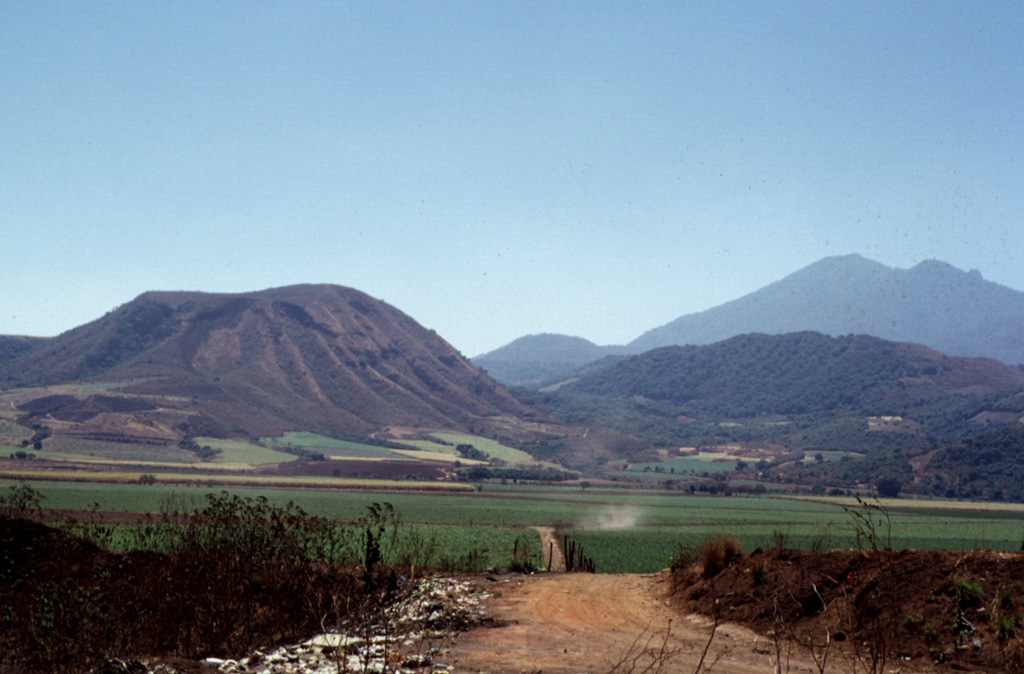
1007, 627
969, 593
685, 557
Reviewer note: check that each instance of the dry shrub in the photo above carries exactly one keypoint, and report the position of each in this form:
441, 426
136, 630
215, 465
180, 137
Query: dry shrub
717, 553
226, 578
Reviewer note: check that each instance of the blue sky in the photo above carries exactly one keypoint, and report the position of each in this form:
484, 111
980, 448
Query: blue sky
499, 169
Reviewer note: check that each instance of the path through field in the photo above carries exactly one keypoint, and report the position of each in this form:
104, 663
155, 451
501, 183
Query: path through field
559, 623
554, 558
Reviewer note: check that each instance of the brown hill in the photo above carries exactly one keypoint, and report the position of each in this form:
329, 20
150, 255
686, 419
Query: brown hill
310, 357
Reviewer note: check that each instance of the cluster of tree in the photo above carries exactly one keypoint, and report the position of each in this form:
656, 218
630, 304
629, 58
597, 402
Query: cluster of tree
986, 464
203, 452
889, 465
467, 451
806, 392
301, 452
41, 433
752, 375
12, 347
141, 325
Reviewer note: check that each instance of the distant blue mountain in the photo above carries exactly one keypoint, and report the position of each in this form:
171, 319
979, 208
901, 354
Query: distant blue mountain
935, 304
536, 360
956, 312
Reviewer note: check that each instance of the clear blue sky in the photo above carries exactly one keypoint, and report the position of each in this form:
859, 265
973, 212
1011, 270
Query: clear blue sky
499, 169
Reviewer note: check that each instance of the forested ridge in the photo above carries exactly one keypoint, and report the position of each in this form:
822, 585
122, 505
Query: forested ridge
807, 393
755, 374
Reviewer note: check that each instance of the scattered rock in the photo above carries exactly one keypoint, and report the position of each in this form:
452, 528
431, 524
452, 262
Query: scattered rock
409, 637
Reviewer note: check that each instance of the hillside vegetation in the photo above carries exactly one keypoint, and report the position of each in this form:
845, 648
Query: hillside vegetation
797, 373
809, 393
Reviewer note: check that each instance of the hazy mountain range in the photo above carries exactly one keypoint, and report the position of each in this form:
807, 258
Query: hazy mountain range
935, 304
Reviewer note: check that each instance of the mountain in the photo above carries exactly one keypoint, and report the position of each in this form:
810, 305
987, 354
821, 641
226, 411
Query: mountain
949, 425
12, 346
798, 373
958, 313
310, 357
535, 360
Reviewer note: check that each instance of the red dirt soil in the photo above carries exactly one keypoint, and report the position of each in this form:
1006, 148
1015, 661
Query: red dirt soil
568, 623
930, 610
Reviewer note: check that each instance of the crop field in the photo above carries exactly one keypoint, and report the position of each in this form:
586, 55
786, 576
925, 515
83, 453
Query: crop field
421, 545
234, 455
622, 530
623, 550
431, 446
122, 452
117, 479
680, 466
492, 448
476, 547
308, 440
238, 452
964, 508
435, 455
132, 467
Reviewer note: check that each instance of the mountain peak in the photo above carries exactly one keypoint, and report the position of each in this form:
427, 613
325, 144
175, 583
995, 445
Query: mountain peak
932, 266
934, 303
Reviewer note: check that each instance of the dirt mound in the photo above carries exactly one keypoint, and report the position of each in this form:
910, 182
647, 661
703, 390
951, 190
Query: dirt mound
927, 609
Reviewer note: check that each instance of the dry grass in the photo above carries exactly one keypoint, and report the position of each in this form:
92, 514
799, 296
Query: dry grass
716, 553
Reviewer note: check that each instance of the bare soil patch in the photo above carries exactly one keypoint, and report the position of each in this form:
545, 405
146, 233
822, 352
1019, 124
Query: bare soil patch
570, 623
390, 470
554, 556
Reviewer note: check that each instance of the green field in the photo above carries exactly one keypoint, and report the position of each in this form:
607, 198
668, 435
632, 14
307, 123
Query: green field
649, 550
235, 454
431, 446
677, 467
474, 548
308, 440
623, 530
238, 452
492, 448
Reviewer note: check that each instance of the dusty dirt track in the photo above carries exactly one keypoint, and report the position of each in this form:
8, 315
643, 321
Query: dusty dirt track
560, 623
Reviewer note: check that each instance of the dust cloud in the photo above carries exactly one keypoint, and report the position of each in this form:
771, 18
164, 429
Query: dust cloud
612, 518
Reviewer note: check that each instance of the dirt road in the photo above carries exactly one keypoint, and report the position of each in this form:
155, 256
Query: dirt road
561, 623
554, 558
